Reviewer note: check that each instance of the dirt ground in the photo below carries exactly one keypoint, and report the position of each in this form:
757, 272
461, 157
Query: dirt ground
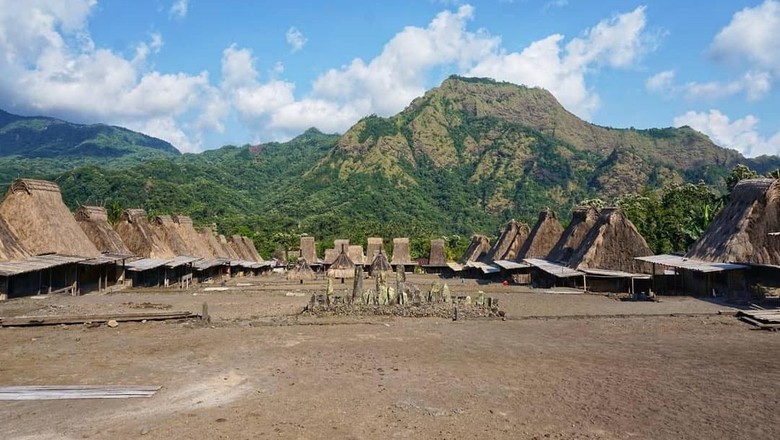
562, 365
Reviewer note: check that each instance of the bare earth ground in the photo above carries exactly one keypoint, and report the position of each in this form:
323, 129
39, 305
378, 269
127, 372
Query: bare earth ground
561, 366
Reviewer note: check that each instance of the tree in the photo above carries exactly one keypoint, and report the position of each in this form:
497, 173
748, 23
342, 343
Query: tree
740, 172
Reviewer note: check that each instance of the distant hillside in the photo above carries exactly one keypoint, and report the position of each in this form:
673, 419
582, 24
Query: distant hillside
47, 145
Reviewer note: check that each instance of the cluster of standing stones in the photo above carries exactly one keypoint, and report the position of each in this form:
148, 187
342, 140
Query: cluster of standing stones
403, 295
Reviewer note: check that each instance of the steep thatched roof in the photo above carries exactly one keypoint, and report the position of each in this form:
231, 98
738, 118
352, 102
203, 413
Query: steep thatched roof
228, 248
308, 249
740, 232
478, 248
356, 254
341, 244
380, 264
196, 244
211, 240
43, 224
330, 256
437, 257
509, 243
141, 238
342, 267
167, 229
10, 247
241, 247
401, 251
612, 244
542, 237
301, 271
374, 245
93, 220
249, 245
582, 220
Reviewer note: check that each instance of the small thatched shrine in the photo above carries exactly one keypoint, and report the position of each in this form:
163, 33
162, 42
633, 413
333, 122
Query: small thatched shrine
582, 220
308, 249
93, 220
542, 238
740, 232
380, 265
196, 243
301, 271
479, 247
342, 267
375, 245
509, 242
612, 244
34, 210
167, 229
141, 238
356, 254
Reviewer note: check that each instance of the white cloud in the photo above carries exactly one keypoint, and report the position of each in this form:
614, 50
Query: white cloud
179, 9
755, 86
741, 134
295, 39
618, 42
661, 82
753, 35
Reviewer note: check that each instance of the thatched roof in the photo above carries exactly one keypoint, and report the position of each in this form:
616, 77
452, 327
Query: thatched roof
740, 232
211, 240
582, 220
43, 224
168, 230
401, 251
356, 254
341, 244
478, 248
509, 242
93, 220
249, 245
301, 271
330, 256
380, 264
612, 244
542, 237
10, 247
342, 267
196, 243
246, 251
374, 246
308, 249
228, 248
141, 238
437, 257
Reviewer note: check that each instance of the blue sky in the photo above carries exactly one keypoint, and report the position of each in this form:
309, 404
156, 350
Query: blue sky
204, 73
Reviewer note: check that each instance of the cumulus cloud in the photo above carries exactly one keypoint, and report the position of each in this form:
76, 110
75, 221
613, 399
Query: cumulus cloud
179, 9
755, 86
618, 42
740, 134
295, 39
753, 35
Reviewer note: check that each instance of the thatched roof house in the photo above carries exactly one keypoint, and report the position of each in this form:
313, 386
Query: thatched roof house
229, 250
167, 229
342, 267
141, 238
509, 242
10, 247
211, 240
612, 244
438, 257
356, 254
582, 220
301, 271
249, 245
479, 247
196, 243
93, 220
43, 224
308, 249
542, 238
238, 245
380, 264
375, 245
401, 251
740, 232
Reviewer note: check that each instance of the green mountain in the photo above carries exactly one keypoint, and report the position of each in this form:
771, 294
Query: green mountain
463, 158
35, 145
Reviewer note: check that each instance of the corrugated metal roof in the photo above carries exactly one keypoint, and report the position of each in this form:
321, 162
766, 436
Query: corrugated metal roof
145, 264
105, 259
555, 269
485, 268
455, 267
511, 265
690, 264
616, 274
32, 264
181, 261
208, 264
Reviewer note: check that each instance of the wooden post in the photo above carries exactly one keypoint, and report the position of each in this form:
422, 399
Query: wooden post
205, 318
357, 286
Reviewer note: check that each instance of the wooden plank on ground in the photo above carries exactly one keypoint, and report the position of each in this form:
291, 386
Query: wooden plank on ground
23, 321
60, 392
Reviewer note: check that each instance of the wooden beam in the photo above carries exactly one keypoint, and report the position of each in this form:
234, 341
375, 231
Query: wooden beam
23, 321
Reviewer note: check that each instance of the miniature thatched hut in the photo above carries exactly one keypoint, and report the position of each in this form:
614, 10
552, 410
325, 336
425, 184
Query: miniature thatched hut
375, 245
542, 238
380, 265
93, 220
612, 244
43, 224
301, 271
740, 232
582, 220
509, 242
308, 250
342, 267
141, 238
478, 248
195, 243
